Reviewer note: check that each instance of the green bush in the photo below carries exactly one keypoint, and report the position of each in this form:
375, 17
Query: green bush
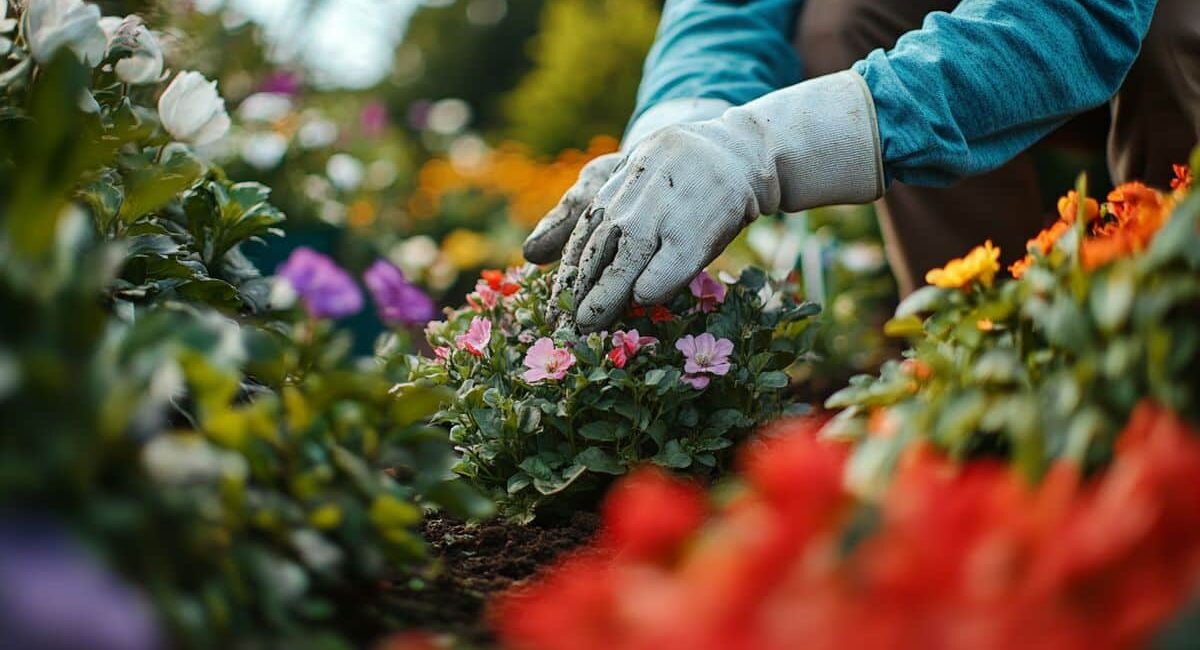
612, 401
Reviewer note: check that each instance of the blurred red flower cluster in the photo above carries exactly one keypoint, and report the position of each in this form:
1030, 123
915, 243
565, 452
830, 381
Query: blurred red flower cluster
955, 556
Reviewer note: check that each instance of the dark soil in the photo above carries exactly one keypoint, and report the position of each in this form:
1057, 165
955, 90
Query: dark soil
475, 562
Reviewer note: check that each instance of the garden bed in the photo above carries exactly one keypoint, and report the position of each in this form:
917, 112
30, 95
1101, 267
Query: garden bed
475, 562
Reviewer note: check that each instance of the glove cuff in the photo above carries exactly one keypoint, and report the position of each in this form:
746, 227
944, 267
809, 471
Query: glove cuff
671, 112
822, 137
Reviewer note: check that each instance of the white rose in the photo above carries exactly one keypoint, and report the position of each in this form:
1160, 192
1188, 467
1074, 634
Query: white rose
192, 110
52, 24
144, 65
264, 107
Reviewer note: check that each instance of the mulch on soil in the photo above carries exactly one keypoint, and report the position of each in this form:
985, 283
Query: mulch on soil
477, 561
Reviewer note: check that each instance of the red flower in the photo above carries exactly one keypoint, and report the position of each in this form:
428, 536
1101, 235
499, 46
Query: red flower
956, 555
497, 281
660, 314
648, 514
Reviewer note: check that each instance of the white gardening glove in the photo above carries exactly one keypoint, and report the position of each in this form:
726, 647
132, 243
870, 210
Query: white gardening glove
684, 192
546, 243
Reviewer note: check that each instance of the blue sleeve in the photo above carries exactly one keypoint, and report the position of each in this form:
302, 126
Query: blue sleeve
735, 50
971, 89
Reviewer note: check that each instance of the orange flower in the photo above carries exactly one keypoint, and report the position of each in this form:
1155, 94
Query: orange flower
496, 280
1068, 207
1183, 178
1139, 213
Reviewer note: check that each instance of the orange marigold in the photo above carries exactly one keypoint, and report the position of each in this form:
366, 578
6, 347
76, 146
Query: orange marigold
1139, 213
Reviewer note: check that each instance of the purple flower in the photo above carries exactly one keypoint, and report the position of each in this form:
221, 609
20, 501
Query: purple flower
373, 119
54, 597
281, 82
399, 301
709, 290
327, 290
702, 355
547, 362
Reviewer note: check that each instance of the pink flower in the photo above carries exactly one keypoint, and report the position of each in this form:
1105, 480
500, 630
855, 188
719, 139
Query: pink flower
546, 361
704, 354
699, 382
484, 297
442, 353
626, 346
709, 290
478, 335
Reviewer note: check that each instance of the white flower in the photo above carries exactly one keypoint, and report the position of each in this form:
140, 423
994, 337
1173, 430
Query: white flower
264, 107
144, 65
263, 151
317, 134
345, 171
53, 24
192, 110
109, 25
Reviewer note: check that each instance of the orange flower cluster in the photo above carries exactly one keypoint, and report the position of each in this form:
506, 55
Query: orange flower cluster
1068, 211
954, 557
531, 186
1127, 223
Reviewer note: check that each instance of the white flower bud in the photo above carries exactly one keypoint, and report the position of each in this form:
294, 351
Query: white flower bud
53, 24
192, 110
144, 65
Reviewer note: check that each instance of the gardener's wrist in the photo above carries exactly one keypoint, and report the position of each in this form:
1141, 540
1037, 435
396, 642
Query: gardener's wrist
671, 112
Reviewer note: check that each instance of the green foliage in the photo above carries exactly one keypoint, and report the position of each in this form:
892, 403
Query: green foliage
485, 60
225, 457
1048, 366
587, 64
554, 443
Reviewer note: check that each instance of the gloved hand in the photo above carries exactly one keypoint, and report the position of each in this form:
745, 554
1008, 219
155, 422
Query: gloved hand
677, 199
546, 242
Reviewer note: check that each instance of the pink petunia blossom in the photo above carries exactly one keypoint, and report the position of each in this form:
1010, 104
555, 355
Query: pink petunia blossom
704, 354
546, 361
626, 346
478, 335
709, 290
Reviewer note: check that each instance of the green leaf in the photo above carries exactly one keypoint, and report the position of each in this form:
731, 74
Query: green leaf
653, 377
518, 482
922, 301
150, 186
904, 327
536, 467
673, 456
1112, 297
772, 380
600, 430
598, 460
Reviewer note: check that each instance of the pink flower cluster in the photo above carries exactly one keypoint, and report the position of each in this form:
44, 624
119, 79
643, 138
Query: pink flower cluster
704, 355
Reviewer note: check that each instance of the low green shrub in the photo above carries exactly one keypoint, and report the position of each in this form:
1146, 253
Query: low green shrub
544, 417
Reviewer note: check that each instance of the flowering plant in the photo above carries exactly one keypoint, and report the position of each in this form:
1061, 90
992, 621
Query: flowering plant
954, 555
222, 457
542, 413
1048, 365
